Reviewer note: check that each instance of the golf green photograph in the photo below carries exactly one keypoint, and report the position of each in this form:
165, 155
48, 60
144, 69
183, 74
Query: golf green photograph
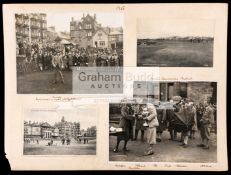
175, 42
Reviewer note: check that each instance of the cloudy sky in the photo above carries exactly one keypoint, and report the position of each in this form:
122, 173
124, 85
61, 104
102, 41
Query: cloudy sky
86, 116
61, 20
155, 28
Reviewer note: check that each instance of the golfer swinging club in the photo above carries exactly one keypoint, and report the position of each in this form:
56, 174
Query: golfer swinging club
57, 63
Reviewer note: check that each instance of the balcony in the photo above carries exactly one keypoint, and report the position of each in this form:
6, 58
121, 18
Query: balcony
25, 34
34, 35
19, 33
44, 26
35, 25
19, 21
26, 23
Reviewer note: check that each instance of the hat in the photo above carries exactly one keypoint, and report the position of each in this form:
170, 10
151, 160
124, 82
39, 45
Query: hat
150, 106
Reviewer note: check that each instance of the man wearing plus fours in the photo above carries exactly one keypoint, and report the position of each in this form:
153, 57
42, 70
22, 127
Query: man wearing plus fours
152, 122
57, 63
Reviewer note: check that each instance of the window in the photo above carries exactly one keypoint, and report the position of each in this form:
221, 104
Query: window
89, 34
88, 26
113, 38
100, 36
44, 25
102, 43
72, 27
25, 130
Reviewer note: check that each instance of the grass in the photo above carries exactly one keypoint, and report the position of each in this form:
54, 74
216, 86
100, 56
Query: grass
175, 54
42, 83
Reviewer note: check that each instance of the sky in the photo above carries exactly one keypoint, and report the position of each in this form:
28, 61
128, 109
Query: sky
156, 28
86, 116
61, 20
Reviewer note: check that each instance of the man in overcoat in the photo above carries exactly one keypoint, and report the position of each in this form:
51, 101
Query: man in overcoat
126, 124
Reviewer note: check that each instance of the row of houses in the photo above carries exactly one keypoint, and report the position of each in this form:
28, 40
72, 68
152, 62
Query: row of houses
44, 130
85, 32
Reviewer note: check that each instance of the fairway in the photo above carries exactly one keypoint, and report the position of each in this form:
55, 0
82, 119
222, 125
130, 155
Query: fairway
42, 83
175, 54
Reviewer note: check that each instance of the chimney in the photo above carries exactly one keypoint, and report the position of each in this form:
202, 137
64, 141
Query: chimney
72, 19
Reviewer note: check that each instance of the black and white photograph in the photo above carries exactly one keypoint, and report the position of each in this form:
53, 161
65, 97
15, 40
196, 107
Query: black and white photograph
50, 45
165, 122
60, 131
175, 42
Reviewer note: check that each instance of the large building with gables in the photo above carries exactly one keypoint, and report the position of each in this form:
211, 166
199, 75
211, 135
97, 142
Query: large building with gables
87, 32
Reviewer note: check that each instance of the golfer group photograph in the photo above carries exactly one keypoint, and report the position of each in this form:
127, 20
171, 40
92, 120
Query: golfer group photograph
165, 122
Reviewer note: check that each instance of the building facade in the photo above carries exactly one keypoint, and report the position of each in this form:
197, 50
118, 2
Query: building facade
44, 130
32, 130
100, 39
91, 131
82, 31
164, 91
30, 27
115, 38
68, 129
87, 32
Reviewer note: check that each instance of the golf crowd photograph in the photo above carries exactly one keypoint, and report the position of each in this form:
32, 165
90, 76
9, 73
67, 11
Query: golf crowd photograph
50, 45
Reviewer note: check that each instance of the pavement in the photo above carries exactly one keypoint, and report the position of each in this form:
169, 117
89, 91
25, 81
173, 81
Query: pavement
165, 151
57, 148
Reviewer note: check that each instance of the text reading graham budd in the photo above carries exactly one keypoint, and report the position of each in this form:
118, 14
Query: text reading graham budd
100, 80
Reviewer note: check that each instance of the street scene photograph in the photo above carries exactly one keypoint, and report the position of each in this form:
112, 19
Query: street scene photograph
175, 43
50, 45
60, 131
165, 122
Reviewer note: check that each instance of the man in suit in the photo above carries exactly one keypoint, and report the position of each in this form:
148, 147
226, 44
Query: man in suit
138, 110
205, 125
57, 63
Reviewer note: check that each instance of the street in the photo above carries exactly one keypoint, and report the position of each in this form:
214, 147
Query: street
165, 151
58, 149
